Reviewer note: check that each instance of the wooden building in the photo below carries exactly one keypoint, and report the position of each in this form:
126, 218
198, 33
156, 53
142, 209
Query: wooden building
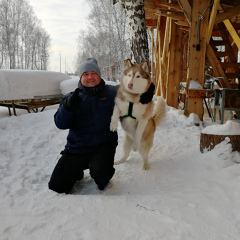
186, 35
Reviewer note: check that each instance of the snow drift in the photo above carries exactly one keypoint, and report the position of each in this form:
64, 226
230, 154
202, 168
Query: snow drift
27, 84
185, 195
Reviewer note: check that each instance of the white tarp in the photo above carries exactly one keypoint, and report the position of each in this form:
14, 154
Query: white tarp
27, 84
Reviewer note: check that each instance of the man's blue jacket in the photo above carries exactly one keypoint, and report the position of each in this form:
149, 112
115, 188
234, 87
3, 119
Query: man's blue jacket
89, 126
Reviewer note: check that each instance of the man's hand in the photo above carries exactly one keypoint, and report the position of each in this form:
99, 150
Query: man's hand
148, 95
73, 102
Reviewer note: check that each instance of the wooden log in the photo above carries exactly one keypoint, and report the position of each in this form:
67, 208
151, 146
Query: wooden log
209, 141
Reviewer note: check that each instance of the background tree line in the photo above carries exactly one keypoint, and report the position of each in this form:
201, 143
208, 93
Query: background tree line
107, 38
24, 44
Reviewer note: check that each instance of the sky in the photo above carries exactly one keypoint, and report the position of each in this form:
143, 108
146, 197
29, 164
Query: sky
62, 20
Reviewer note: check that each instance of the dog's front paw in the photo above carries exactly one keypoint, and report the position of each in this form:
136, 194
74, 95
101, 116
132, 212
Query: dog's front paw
145, 166
113, 126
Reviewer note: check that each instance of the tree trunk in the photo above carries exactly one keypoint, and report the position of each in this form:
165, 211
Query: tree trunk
135, 15
209, 141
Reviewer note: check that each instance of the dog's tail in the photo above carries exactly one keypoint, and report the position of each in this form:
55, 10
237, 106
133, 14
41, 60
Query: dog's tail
160, 111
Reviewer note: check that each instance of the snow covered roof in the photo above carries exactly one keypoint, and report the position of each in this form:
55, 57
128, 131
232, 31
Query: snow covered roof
26, 84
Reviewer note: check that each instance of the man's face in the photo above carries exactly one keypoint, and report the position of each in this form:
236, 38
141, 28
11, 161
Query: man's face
90, 79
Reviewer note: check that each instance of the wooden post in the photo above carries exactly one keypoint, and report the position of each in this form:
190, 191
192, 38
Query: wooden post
164, 59
161, 34
174, 65
196, 59
158, 61
152, 54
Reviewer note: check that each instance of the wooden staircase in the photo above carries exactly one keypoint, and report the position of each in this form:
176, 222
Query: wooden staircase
226, 52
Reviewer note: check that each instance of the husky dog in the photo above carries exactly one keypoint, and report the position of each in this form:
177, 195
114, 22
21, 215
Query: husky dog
138, 120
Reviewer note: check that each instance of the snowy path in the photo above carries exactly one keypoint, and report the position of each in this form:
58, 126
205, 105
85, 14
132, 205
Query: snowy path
185, 194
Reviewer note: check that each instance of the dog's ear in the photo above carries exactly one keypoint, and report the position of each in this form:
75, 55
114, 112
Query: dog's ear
127, 64
145, 66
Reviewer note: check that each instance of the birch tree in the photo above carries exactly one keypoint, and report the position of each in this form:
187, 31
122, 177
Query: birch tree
107, 38
23, 43
135, 15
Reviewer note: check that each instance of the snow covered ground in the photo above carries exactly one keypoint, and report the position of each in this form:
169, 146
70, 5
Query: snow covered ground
185, 195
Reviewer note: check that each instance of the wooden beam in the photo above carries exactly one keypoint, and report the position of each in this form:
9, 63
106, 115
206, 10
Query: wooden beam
182, 23
228, 14
233, 75
196, 59
232, 32
187, 10
212, 19
164, 57
174, 65
230, 2
230, 64
171, 5
176, 16
166, 44
216, 43
228, 46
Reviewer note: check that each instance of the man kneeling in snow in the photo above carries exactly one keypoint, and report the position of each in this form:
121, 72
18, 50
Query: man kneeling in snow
87, 112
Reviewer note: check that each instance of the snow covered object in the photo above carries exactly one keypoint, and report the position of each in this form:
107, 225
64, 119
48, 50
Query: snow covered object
27, 84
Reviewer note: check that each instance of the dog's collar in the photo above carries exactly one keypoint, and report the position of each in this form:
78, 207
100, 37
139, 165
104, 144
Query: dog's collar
129, 113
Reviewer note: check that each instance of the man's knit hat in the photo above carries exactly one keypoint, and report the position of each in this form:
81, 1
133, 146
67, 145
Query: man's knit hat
90, 64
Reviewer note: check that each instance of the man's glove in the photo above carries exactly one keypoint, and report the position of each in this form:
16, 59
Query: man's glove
148, 95
73, 102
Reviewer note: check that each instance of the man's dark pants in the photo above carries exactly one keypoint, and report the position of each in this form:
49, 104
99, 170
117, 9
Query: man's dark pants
69, 168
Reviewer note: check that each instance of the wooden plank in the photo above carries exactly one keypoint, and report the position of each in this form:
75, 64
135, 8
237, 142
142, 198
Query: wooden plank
187, 29
176, 16
171, 5
166, 44
230, 64
174, 66
182, 23
228, 45
212, 19
230, 2
227, 14
217, 68
162, 32
220, 54
233, 75
216, 43
200, 93
187, 10
232, 32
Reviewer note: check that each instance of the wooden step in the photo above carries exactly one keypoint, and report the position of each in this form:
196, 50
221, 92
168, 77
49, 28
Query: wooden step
217, 43
232, 75
220, 54
229, 64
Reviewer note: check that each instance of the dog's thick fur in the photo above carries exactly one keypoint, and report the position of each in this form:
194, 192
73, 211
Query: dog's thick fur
139, 132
